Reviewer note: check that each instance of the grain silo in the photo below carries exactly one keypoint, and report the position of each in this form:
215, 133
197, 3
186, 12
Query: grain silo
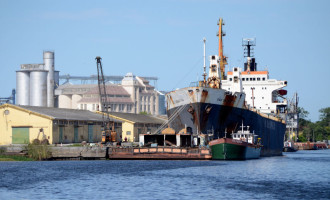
38, 88
49, 66
35, 83
23, 88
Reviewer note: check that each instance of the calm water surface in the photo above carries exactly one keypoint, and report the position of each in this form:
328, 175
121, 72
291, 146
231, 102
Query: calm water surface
300, 175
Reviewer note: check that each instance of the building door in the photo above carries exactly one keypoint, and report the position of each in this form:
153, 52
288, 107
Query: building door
90, 133
20, 135
76, 134
60, 139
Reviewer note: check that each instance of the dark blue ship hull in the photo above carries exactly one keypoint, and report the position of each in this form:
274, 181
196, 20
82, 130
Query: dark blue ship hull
219, 120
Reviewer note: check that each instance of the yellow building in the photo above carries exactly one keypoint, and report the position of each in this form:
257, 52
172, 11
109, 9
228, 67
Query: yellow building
135, 124
23, 124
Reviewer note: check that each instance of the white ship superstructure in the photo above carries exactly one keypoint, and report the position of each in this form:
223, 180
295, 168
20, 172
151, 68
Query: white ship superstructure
262, 93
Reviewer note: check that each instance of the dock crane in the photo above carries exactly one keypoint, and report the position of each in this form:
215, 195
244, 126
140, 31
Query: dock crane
108, 133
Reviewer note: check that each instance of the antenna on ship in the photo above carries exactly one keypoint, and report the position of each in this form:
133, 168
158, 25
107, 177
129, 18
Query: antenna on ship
250, 64
204, 74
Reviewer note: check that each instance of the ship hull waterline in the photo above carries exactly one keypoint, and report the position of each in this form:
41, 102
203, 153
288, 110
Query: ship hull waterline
225, 119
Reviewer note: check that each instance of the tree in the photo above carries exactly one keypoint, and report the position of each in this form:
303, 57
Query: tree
325, 115
302, 113
317, 131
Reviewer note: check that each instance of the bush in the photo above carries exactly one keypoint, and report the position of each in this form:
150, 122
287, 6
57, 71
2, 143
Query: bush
38, 152
3, 150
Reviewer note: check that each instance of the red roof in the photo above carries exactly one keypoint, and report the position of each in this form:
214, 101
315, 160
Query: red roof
110, 89
111, 100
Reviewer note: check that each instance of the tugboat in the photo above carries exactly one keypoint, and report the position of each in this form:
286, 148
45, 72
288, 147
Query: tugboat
241, 146
289, 147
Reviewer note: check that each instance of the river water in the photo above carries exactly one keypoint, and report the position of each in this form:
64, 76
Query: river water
299, 175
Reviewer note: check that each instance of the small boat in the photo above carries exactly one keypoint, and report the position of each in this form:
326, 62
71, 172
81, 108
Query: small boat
241, 146
289, 147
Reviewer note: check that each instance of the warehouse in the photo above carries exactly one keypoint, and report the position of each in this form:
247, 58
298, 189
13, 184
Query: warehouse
23, 124
135, 124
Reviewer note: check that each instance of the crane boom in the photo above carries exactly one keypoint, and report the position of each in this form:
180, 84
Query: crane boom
108, 135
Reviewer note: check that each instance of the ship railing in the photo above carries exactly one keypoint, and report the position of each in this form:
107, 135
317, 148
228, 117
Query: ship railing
267, 115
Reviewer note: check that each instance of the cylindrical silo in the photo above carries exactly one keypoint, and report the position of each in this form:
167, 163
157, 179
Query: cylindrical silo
49, 66
57, 78
22, 87
57, 83
38, 88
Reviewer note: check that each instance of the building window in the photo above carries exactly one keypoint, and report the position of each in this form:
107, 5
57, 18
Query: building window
128, 132
263, 78
258, 79
230, 79
251, 79
81, 106
254, 79
243, 79
214, 68
85, 106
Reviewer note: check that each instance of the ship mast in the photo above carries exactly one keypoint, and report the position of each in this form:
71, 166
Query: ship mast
204, 74
222, 58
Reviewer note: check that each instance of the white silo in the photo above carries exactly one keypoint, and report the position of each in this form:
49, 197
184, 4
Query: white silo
22, 87
56, 78
49, 66
38, 88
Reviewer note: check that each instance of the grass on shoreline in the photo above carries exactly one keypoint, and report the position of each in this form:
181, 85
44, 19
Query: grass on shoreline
14, 158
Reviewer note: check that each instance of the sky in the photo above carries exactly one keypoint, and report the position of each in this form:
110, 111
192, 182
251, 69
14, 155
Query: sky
164, 39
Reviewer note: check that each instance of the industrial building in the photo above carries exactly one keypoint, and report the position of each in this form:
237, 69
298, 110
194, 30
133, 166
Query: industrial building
38, 85
23, 124
135, 124
35, 83
133, 95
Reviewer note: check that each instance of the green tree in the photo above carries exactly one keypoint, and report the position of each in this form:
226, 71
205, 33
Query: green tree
303, 114
325, 114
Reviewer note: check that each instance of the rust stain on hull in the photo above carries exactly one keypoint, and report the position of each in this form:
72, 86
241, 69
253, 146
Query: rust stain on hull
229, 100
228, 104
204, 96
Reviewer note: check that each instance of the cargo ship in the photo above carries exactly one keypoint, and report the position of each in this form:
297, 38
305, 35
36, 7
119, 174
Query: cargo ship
216, 106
